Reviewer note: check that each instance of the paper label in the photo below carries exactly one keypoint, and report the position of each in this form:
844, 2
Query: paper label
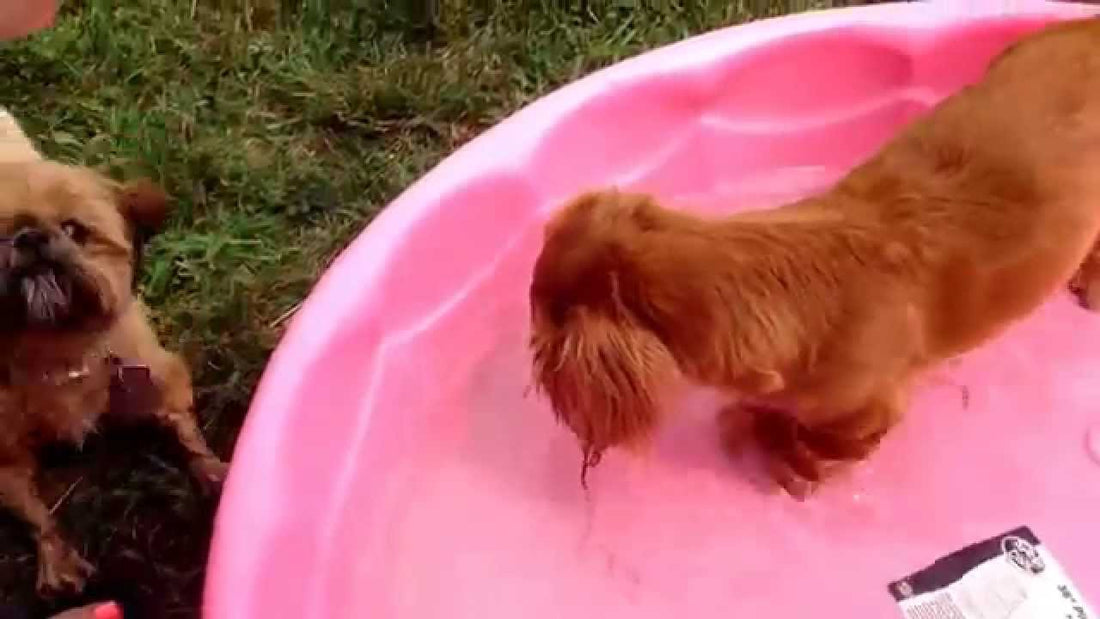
1008, 576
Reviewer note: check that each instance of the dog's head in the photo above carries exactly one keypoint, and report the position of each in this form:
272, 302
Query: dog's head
67, 246
596, 356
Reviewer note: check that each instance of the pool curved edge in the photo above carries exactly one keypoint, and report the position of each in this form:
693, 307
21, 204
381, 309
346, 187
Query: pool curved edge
268, 555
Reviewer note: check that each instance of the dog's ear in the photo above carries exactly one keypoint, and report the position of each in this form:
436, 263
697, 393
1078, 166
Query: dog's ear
603, 376
144, 204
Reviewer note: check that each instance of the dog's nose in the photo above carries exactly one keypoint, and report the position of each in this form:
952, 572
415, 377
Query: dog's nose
30, 240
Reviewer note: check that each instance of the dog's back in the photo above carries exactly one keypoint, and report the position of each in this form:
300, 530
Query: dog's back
998, 187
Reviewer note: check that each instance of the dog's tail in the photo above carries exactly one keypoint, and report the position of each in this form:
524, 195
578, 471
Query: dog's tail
603, 376
596, 357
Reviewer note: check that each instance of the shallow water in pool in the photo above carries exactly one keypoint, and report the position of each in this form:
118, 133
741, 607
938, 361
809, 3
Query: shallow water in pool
473, 482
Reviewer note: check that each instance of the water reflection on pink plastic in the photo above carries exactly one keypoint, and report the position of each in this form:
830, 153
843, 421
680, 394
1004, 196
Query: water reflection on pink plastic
394, 464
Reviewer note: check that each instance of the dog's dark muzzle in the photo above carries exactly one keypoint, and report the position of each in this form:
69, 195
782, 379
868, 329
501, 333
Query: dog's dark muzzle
40, 287
28, 250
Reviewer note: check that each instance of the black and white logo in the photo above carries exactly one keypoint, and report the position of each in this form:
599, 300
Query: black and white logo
904, 589
1022, 554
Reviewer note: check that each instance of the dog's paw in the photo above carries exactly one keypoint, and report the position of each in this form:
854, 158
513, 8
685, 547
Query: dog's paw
61, 569
801, 490
797, 487
209, 473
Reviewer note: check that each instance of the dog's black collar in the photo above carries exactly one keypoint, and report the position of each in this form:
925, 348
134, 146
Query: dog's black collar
133, 391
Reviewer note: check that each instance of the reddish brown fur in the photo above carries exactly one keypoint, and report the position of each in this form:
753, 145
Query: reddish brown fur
829, 308
40, 401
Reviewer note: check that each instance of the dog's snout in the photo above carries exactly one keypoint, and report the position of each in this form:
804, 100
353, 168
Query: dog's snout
30, 240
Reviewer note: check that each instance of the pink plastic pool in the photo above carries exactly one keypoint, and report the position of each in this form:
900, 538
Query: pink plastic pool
394, 466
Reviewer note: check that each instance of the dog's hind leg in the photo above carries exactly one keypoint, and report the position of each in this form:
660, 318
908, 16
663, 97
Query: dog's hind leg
60, 566
855, 435
1086, 282
794, 467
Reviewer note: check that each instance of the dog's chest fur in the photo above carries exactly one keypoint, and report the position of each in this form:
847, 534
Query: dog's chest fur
63, 404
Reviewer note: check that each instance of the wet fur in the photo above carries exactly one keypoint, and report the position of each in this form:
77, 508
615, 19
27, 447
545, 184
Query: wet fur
67, 308
819, 315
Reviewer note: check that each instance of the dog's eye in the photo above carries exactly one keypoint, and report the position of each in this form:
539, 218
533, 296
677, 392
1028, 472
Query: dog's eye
75, 230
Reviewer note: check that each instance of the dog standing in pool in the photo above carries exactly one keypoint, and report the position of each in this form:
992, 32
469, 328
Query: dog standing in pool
818, 316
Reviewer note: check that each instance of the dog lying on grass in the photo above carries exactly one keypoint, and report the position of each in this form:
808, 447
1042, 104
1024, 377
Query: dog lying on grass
75, 344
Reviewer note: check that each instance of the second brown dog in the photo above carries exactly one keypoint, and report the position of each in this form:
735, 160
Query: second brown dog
75, 343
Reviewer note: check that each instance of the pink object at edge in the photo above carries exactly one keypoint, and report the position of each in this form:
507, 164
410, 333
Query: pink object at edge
394, 464
109, 610
19, 18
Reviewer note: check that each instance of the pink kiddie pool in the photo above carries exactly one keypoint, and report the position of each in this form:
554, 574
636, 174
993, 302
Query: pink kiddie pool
395, 465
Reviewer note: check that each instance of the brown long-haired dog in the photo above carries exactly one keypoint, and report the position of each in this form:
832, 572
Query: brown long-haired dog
75, 343
827, 309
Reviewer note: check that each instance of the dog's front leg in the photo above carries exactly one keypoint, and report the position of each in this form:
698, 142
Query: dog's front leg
177, 413
60, 566
207, 469
794, 467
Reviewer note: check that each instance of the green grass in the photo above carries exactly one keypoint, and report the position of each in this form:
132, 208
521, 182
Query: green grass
281, 129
